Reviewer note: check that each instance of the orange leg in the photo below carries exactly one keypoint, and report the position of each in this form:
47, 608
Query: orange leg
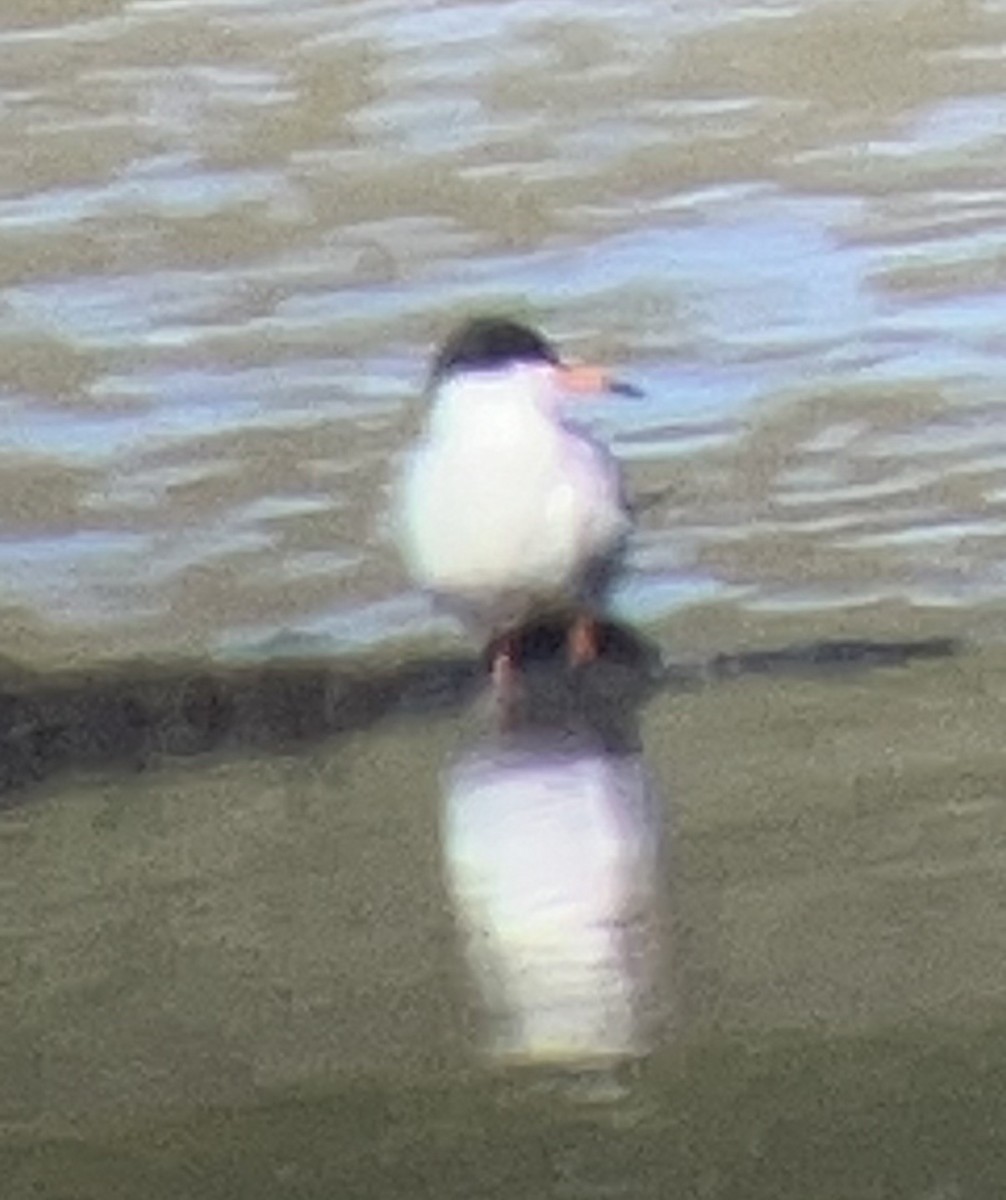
505, 680
582, 640
504, 664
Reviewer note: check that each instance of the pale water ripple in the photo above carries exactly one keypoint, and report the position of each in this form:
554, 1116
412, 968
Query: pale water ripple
230, 233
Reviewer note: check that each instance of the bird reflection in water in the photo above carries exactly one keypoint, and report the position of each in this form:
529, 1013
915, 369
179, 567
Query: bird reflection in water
553, 846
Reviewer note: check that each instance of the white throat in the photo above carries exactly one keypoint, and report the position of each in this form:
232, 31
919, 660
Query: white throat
494, 405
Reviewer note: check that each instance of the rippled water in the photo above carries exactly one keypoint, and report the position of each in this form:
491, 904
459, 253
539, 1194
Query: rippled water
230, 233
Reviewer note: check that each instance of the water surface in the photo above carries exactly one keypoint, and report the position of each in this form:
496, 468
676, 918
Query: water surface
230, 233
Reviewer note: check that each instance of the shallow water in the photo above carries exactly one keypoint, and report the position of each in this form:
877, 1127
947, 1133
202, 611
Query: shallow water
230, 232
243, 977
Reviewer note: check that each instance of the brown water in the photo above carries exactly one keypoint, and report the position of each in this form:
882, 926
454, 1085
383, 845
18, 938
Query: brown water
229, 234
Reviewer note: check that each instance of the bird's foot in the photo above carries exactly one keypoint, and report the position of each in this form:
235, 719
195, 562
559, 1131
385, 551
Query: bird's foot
504, 664
504, 673
582, 641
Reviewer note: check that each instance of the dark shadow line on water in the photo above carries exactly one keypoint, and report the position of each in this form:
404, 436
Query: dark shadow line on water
134, 714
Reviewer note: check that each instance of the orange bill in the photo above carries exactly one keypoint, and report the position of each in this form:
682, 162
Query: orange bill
583, 379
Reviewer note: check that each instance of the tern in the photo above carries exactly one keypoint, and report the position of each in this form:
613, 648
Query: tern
507, 510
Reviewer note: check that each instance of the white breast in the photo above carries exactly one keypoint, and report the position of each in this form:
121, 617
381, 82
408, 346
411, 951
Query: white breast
501, 496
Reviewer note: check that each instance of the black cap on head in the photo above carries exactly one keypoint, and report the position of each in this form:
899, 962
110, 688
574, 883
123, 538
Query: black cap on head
487, 342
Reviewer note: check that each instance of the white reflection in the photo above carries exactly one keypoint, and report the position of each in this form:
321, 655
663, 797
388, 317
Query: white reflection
552, 844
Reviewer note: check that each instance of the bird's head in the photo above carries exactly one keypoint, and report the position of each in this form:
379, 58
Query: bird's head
494, 345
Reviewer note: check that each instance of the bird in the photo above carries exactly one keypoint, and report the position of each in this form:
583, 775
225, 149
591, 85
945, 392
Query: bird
507, 511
